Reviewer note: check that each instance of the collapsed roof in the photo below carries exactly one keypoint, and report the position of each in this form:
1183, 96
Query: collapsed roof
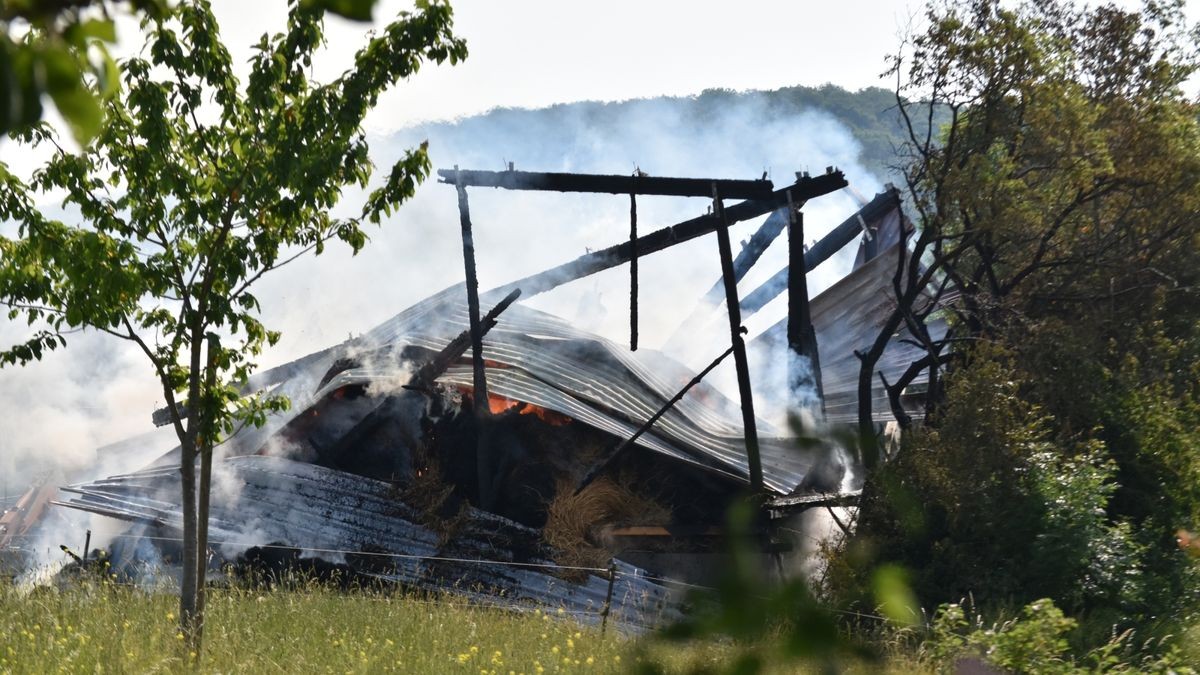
324, 477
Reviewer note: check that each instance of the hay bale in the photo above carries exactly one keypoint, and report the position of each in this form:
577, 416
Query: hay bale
574, 520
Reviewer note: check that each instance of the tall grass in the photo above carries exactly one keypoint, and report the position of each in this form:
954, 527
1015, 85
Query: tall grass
95, 626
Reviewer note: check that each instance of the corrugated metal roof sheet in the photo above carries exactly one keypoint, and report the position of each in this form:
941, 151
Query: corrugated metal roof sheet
271, 500
847, 317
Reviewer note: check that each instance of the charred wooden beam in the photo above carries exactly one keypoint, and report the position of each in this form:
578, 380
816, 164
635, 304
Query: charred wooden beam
581, 182
420, 380
745, 260
802, 338
597, 261
821, 251
633, 275
454, 349
608, 460
480, 395
749, 426
804, 188
783, 505
767, 233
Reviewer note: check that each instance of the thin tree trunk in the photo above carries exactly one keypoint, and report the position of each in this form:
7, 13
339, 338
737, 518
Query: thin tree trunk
206, 456
187, 470
866, 375
187, 584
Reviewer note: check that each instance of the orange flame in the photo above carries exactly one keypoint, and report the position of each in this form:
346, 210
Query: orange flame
498, 404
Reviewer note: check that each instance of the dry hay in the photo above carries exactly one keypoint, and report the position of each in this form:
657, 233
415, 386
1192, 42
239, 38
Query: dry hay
433, 498
573, 520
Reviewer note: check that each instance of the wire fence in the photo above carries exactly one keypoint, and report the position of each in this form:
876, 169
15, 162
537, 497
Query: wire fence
609, 573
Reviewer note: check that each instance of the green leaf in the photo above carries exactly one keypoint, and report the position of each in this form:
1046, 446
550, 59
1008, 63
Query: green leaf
357, 10
95, 29
894, 596
64, 82
18, 84
109, 76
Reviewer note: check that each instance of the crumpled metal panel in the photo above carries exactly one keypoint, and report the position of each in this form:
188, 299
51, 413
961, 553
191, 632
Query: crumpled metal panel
541, 359
847, 317
538, 358
337, 516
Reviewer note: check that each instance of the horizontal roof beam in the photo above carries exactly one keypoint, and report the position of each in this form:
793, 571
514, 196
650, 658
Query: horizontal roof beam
806, 187
618, 185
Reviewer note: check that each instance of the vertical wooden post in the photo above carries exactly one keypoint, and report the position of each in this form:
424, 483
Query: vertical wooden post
482, 409
87, 546
739, 344
633, 274
612, 580
802, 338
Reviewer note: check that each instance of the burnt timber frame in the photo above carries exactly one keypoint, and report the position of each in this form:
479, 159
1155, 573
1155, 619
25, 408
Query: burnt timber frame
597, 261
801, 336
804, 188
482, 404
637, 184
761, 200
749, 425
821, 251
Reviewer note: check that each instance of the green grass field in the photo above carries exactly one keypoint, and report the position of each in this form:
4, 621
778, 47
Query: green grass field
99, 627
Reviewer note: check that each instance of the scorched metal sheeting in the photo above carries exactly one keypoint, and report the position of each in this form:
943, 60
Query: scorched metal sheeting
271, 500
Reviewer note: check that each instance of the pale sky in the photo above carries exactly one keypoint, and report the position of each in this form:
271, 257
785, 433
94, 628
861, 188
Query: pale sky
523, 53
532, 53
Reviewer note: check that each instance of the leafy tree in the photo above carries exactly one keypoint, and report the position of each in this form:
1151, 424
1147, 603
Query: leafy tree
194, 189
63, 53
1060, 204
983, 504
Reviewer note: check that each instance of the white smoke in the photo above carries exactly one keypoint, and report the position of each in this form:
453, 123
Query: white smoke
98, 390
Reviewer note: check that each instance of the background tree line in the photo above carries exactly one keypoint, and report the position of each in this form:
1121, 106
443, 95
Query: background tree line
1057, 214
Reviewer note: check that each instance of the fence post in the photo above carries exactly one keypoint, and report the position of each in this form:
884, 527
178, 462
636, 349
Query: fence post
87, 544
612, 578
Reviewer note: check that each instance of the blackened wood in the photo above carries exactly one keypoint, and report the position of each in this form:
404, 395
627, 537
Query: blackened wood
598, 261
468, 244
422, 380
802, 338
822, 250
762, 238
480, 393
433, 368
628, 442
586, 265
583, 182
739, 345
745, 260
633, 275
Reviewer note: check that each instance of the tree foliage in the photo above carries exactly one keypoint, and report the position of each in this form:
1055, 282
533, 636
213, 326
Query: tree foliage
196, 186
62, 52
1057, 214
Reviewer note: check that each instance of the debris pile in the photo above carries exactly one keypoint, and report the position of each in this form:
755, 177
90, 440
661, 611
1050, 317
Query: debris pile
509, 453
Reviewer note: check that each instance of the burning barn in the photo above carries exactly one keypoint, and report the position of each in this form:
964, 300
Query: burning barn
474, 444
